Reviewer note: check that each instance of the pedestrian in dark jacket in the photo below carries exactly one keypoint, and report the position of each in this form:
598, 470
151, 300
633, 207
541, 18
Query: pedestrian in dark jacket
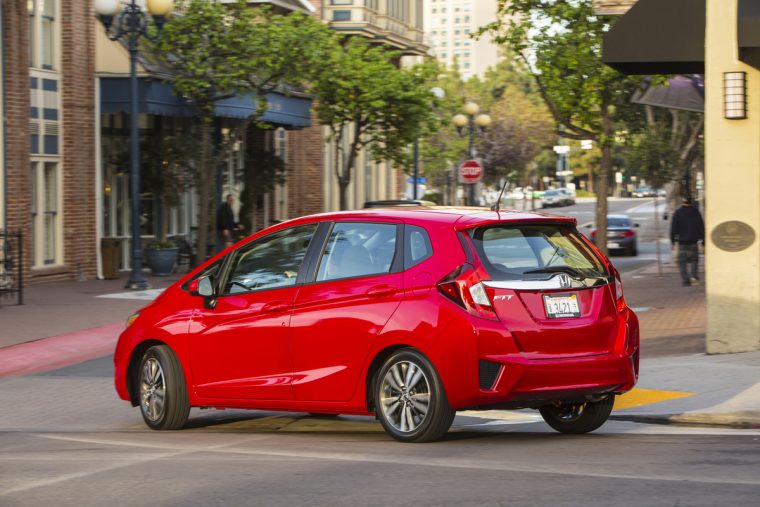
687, 229
225, 223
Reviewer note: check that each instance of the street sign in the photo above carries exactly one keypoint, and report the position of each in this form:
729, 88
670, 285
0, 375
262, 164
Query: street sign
471, 171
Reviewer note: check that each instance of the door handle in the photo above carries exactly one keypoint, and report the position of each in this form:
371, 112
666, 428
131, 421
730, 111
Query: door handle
275, 306
382, 290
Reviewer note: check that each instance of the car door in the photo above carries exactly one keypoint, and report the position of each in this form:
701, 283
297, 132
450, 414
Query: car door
357, 286
239, 348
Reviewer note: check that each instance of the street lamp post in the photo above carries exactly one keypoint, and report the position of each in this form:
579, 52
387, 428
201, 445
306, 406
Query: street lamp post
475, 123
129, 22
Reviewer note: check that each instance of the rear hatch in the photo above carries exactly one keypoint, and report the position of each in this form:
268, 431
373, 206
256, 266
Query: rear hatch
549, 289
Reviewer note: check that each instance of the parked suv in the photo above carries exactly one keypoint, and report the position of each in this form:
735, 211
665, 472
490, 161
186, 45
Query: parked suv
406, 314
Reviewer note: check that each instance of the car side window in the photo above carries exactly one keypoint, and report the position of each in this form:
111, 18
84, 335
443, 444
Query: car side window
417, 246
269, 262
358, 249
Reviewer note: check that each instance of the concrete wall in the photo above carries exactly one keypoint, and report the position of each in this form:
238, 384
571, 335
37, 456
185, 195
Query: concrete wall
732, 191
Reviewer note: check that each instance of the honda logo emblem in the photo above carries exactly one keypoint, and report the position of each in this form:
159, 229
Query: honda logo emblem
564, 281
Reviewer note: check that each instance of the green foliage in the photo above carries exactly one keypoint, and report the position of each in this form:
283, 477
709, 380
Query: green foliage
366, 100
651, 156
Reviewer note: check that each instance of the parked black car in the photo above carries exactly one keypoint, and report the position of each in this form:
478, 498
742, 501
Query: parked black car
621, 234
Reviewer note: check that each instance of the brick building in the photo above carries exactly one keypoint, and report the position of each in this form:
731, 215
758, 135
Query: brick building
48, 173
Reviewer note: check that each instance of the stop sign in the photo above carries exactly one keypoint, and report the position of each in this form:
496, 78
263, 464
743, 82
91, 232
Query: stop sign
471, 171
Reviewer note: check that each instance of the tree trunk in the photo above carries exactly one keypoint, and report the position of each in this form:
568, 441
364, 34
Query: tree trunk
602, 183
343, 191
205, 180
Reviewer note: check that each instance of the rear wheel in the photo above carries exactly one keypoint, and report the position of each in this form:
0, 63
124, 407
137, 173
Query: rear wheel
163, 394
409, 398
576, 418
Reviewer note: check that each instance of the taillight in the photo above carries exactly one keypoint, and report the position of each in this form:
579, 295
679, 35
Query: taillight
593, 234
628, 234
464, 287
619, 298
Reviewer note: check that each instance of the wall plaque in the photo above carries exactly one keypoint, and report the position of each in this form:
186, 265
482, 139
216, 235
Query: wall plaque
733, 236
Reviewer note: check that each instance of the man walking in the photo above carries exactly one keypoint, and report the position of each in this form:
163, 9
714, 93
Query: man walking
225, 223
687, 229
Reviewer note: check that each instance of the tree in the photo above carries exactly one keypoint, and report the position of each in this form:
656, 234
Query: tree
561, 42
365, 100
219, 50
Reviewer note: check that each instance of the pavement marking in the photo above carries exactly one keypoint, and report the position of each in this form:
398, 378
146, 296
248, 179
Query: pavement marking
559, 469
143, 295
640, 309
649, 202
639, 397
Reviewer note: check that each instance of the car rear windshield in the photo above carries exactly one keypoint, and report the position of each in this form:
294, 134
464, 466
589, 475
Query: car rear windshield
535, 251
617, 222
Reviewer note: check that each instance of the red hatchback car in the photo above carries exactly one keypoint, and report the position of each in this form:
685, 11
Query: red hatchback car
407, 314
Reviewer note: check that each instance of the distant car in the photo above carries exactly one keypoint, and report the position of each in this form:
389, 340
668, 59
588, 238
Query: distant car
662, 193
557, 197
621, 234
397, 202
644, 192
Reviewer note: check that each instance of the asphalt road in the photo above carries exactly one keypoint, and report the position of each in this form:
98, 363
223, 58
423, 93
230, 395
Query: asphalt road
66, 440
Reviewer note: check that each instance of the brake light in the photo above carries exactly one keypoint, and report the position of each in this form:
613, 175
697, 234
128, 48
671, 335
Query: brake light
593, 234
464, 287
629, 233
619, 298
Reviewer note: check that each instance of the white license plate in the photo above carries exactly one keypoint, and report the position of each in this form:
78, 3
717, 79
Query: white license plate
613, 245
562, 307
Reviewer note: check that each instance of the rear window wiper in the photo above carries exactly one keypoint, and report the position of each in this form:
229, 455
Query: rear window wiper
558, 269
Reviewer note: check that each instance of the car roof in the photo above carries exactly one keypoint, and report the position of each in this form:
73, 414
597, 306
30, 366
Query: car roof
461, 217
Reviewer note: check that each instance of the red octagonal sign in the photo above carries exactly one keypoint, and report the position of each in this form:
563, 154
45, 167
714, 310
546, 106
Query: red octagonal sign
471, 171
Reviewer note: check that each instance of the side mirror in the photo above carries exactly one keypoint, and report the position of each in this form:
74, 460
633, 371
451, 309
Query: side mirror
201, 287
635, 225
588, 226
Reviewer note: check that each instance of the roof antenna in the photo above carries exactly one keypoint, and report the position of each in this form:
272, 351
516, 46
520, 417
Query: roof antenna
496, 206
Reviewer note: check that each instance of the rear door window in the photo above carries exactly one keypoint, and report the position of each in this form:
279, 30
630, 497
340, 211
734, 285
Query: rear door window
524, 252
358, 249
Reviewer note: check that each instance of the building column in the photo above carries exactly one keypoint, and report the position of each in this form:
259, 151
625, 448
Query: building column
732, 218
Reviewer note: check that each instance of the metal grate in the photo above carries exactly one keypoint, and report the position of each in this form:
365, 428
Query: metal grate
489, 371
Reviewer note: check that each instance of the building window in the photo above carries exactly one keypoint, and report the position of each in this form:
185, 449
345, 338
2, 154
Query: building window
46, 219
342, 16
42, 33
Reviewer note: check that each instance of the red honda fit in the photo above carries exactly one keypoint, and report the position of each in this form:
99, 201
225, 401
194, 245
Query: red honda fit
407, 314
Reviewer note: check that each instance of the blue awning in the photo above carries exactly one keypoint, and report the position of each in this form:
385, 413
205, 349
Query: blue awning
157, 97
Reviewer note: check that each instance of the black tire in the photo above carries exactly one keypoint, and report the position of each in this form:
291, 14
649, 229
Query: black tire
438, 416
578, 418
161, 371
633, 252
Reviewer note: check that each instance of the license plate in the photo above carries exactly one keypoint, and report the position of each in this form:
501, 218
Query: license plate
562, 307
613, 245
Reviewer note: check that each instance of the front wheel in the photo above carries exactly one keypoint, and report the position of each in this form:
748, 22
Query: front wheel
577, 418
410, 401
163, 394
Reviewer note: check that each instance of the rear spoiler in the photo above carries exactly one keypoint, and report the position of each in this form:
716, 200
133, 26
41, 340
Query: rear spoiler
510, 218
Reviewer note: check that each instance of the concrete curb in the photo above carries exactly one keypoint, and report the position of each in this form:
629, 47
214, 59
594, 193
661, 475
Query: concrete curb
736, 420
59, 351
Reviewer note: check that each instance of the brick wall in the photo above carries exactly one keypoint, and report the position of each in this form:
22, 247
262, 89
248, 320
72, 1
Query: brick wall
16, 77
77, 52
78, 106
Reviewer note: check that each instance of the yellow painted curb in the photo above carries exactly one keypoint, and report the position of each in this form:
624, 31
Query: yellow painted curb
638, 397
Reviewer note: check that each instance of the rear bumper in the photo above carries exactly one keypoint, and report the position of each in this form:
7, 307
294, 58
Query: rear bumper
518, 381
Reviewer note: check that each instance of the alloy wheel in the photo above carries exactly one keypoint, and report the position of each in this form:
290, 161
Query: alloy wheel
405, 396
152, 389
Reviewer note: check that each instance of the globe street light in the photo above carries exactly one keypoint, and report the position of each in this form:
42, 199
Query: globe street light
127, 21
474, 122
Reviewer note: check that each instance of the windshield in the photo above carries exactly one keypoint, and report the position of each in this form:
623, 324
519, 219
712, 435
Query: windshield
535, 252
618, 222
551, 192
